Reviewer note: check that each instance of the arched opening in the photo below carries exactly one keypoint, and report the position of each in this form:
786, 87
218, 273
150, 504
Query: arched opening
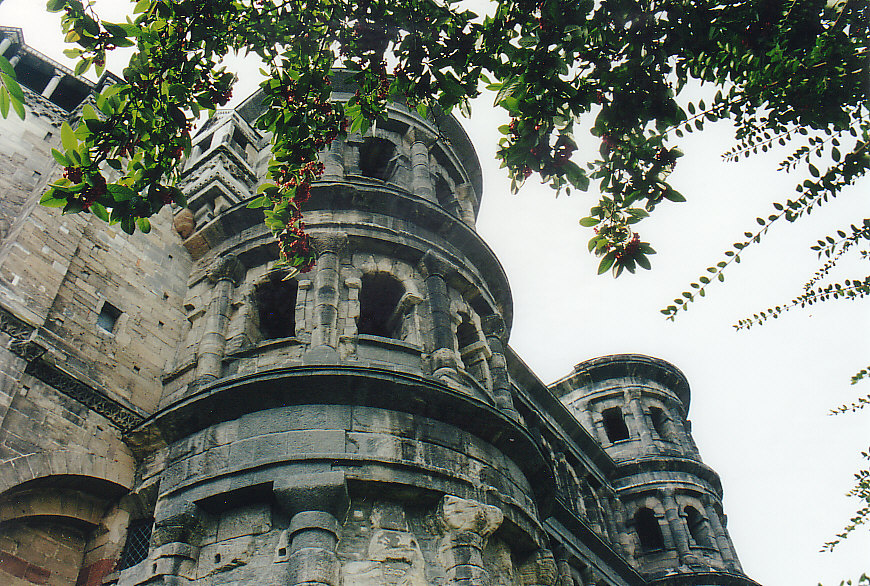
276, 307
614, 424
472, 350
376, 158
379, 312
444, 194
698, 528
659, 422
648, 530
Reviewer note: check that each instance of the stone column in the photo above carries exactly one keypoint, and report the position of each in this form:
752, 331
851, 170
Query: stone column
443, 354
465, 199
5, 44
721, 535
13, 61
539, 570
494, 330
178, 529
324, 334
467, 524
679, 530
333, 161
318, 504
52, 85
351, 154
632, 398
224, 275
422, 181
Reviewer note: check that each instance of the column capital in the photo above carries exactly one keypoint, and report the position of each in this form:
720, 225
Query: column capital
331, 241
227, 268
433, 265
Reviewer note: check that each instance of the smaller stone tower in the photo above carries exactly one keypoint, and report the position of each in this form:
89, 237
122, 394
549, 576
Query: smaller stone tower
637, 407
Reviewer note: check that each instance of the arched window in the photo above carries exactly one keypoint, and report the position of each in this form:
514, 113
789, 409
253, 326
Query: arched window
376, 158
379, 311
659, 422
614, 424
276, 305
698, 528
472, 350
648, 530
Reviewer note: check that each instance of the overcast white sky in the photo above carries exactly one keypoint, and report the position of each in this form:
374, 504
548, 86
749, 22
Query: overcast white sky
759, 398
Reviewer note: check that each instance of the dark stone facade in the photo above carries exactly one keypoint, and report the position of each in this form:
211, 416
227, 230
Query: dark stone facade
173, 412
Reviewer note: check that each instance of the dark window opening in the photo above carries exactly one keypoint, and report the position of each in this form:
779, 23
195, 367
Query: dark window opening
240, 140
614, 424
205, 143
659, 422
378, 305
648, 530
471, 350
108, 317
443, 193
276, 303
698, 528
136, 547
376, 158
32, 74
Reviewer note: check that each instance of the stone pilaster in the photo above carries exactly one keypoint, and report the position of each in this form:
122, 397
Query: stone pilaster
467, 524
721, 535
443, 354
324, 335
318, 504
494, 330
678, 528
178, 529
224, 276
632, 398
422, 180
333, 161
539, 570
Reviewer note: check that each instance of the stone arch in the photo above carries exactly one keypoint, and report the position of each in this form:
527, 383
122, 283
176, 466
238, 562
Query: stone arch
404, 318
471, 346
21, 469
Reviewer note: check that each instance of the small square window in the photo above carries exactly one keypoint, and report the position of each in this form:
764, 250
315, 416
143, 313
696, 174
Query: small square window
108, 317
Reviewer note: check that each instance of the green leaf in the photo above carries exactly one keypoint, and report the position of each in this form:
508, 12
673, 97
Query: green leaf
60, 157
260, 202
4, 102
19, 108
50, 201
100, 211
588, 222
120, 192
68, 137
606, 262
54, 5
128, 225
12, 87
6, 67
144, 225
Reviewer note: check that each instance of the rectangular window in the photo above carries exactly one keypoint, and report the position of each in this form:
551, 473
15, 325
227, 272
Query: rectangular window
108, 317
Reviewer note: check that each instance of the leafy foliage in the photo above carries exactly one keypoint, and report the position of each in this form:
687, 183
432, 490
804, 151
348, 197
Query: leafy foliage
786, 71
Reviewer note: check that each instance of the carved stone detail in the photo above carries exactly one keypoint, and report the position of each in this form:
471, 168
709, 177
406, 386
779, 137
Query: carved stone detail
118, 415
467, 525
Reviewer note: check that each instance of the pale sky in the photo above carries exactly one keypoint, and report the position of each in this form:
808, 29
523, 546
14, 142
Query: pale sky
760, 399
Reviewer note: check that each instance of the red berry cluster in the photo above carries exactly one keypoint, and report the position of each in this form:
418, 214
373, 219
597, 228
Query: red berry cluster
630, 247
74, 174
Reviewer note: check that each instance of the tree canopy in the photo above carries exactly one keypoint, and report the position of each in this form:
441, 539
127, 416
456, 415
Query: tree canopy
786, 72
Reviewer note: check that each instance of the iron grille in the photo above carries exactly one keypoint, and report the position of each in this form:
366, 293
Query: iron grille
136, 546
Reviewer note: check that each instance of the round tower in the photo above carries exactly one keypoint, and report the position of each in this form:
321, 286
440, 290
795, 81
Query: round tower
355, 424
637, 407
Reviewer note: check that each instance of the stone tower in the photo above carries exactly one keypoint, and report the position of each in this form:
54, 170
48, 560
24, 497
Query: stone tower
637, 407
175, 411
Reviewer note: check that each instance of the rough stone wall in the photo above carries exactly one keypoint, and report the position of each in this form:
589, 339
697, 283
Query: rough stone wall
25, 160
